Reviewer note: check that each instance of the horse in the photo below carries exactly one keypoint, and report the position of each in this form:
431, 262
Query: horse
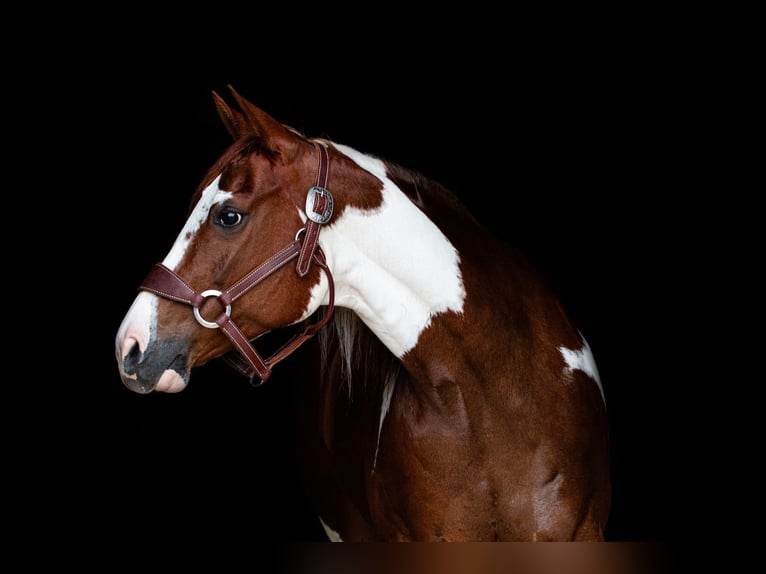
450, 396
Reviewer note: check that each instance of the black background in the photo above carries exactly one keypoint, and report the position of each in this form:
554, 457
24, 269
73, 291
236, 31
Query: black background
559, 140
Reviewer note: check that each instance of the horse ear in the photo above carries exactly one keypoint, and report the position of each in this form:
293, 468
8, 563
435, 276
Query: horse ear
262, 123
233, 121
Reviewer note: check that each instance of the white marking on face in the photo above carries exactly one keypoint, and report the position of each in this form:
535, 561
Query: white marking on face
582, 360
211, 196
392, 265
141, 319
138, 324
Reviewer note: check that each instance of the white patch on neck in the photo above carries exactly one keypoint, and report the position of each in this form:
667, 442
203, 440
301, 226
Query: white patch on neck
582, 360
392, 265
211, 196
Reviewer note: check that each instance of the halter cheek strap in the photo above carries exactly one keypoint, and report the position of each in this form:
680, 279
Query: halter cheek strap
165, 283
318, 210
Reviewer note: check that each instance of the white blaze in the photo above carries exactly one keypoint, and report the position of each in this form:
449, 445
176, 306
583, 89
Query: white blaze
211, 196
140, 320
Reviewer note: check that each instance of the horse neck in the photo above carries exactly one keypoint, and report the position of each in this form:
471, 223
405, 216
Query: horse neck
392, 265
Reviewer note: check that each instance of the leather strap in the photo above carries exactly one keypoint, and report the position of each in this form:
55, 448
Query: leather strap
292, 344
321, 208
166, 283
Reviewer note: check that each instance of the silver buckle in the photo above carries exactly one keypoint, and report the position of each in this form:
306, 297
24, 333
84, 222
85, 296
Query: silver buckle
310, 213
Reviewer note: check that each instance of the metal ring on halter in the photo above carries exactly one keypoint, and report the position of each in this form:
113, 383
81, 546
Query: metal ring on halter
301, 230
203, 322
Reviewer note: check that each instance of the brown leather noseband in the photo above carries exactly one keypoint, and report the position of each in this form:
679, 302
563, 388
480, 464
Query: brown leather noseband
166, 283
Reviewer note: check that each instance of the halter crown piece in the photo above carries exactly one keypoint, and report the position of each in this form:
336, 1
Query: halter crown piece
165, 283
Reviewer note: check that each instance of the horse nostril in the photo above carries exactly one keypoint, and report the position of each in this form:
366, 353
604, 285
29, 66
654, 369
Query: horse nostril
132, 357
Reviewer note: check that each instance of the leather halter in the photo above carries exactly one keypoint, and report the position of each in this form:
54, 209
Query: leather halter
166, 283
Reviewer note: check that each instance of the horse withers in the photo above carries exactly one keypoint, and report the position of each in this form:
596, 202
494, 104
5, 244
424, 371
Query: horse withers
452, 397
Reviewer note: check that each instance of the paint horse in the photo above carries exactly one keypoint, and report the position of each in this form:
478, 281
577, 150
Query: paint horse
449, 397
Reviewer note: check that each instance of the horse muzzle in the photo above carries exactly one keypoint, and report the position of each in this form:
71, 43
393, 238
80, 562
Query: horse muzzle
162, 366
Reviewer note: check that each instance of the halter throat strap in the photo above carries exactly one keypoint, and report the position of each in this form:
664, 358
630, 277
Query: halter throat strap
165, 283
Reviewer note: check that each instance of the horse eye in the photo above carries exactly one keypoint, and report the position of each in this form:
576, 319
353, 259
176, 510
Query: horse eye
229, 218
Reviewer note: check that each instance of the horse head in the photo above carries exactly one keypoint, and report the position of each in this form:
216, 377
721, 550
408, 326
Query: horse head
244, 263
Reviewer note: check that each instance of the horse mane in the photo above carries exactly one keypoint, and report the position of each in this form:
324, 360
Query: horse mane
362, 356
436, 200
